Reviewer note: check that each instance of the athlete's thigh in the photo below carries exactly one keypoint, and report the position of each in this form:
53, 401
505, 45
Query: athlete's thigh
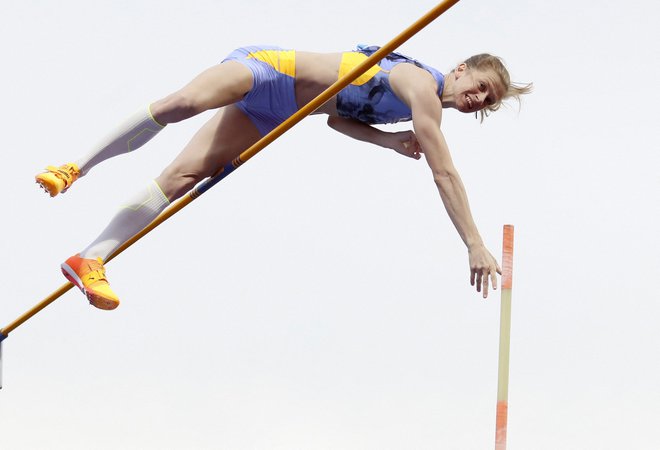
224, 137
217, 86
220, 85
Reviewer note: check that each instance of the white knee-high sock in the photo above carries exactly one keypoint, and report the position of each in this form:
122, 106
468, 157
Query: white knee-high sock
132, 134
131, 219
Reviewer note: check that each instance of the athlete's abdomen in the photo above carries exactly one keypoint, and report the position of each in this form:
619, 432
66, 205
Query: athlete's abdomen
315, 72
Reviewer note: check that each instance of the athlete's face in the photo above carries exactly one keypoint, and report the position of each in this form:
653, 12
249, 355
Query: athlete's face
476, 89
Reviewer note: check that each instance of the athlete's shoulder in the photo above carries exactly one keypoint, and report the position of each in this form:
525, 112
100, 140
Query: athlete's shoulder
412, 78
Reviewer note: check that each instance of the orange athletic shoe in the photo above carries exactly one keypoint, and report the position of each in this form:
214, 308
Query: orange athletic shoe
89, 276
56, 180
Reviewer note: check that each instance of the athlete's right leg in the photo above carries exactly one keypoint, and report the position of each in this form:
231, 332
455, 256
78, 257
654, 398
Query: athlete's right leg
217, 86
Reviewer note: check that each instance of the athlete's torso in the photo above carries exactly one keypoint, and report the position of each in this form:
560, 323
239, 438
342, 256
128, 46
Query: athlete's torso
369, 99
315, 72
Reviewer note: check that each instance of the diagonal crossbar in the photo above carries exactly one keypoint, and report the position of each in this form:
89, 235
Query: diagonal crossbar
205, 185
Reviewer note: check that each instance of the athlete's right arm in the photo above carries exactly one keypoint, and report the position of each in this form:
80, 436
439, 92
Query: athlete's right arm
403, 142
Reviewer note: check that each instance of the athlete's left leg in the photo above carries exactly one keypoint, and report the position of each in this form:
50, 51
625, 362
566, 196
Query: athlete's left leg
228, 133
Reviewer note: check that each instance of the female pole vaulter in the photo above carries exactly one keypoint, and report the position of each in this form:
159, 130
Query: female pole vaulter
256, 88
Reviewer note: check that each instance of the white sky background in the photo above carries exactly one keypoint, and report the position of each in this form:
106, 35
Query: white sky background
318, 298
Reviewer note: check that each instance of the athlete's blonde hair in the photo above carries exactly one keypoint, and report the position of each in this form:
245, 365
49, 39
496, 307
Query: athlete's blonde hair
485, 62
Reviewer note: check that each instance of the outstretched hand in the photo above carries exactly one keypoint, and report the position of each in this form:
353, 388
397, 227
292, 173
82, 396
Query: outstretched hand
406, 144
483, 267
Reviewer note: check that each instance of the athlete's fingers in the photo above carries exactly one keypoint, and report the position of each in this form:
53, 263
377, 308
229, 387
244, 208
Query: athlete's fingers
479, 275
411, 148
485, 282
493, 279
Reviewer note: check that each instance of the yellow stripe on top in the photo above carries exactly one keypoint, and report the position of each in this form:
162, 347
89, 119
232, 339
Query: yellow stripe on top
350, 60
284, 61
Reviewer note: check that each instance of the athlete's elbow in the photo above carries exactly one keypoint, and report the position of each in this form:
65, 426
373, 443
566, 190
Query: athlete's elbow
333, 122
444, 177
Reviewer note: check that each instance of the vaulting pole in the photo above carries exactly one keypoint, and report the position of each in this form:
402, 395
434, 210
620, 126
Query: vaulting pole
253, 150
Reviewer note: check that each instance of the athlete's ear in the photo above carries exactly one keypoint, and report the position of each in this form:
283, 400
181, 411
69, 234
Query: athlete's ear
460, 70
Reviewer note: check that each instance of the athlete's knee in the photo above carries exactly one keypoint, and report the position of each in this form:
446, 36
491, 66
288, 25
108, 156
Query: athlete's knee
175, 108
175, 182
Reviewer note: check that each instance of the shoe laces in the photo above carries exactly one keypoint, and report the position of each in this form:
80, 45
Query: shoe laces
59, 173
96, 271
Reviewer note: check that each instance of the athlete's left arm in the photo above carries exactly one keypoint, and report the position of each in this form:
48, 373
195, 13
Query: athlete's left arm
418, 89
403, 142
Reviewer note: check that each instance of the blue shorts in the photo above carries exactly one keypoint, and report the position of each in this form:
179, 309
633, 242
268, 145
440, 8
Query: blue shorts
272, 98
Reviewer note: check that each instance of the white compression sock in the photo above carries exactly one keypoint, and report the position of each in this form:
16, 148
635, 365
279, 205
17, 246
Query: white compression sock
132, 134
130, 220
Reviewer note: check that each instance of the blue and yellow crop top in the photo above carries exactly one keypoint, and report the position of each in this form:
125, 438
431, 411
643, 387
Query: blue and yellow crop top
370, 98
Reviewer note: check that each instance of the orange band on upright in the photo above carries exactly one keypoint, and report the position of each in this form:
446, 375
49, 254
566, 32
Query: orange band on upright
500, 425
507, 257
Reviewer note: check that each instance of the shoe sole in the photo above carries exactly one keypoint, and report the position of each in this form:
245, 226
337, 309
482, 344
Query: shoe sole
95, 300
45, 187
